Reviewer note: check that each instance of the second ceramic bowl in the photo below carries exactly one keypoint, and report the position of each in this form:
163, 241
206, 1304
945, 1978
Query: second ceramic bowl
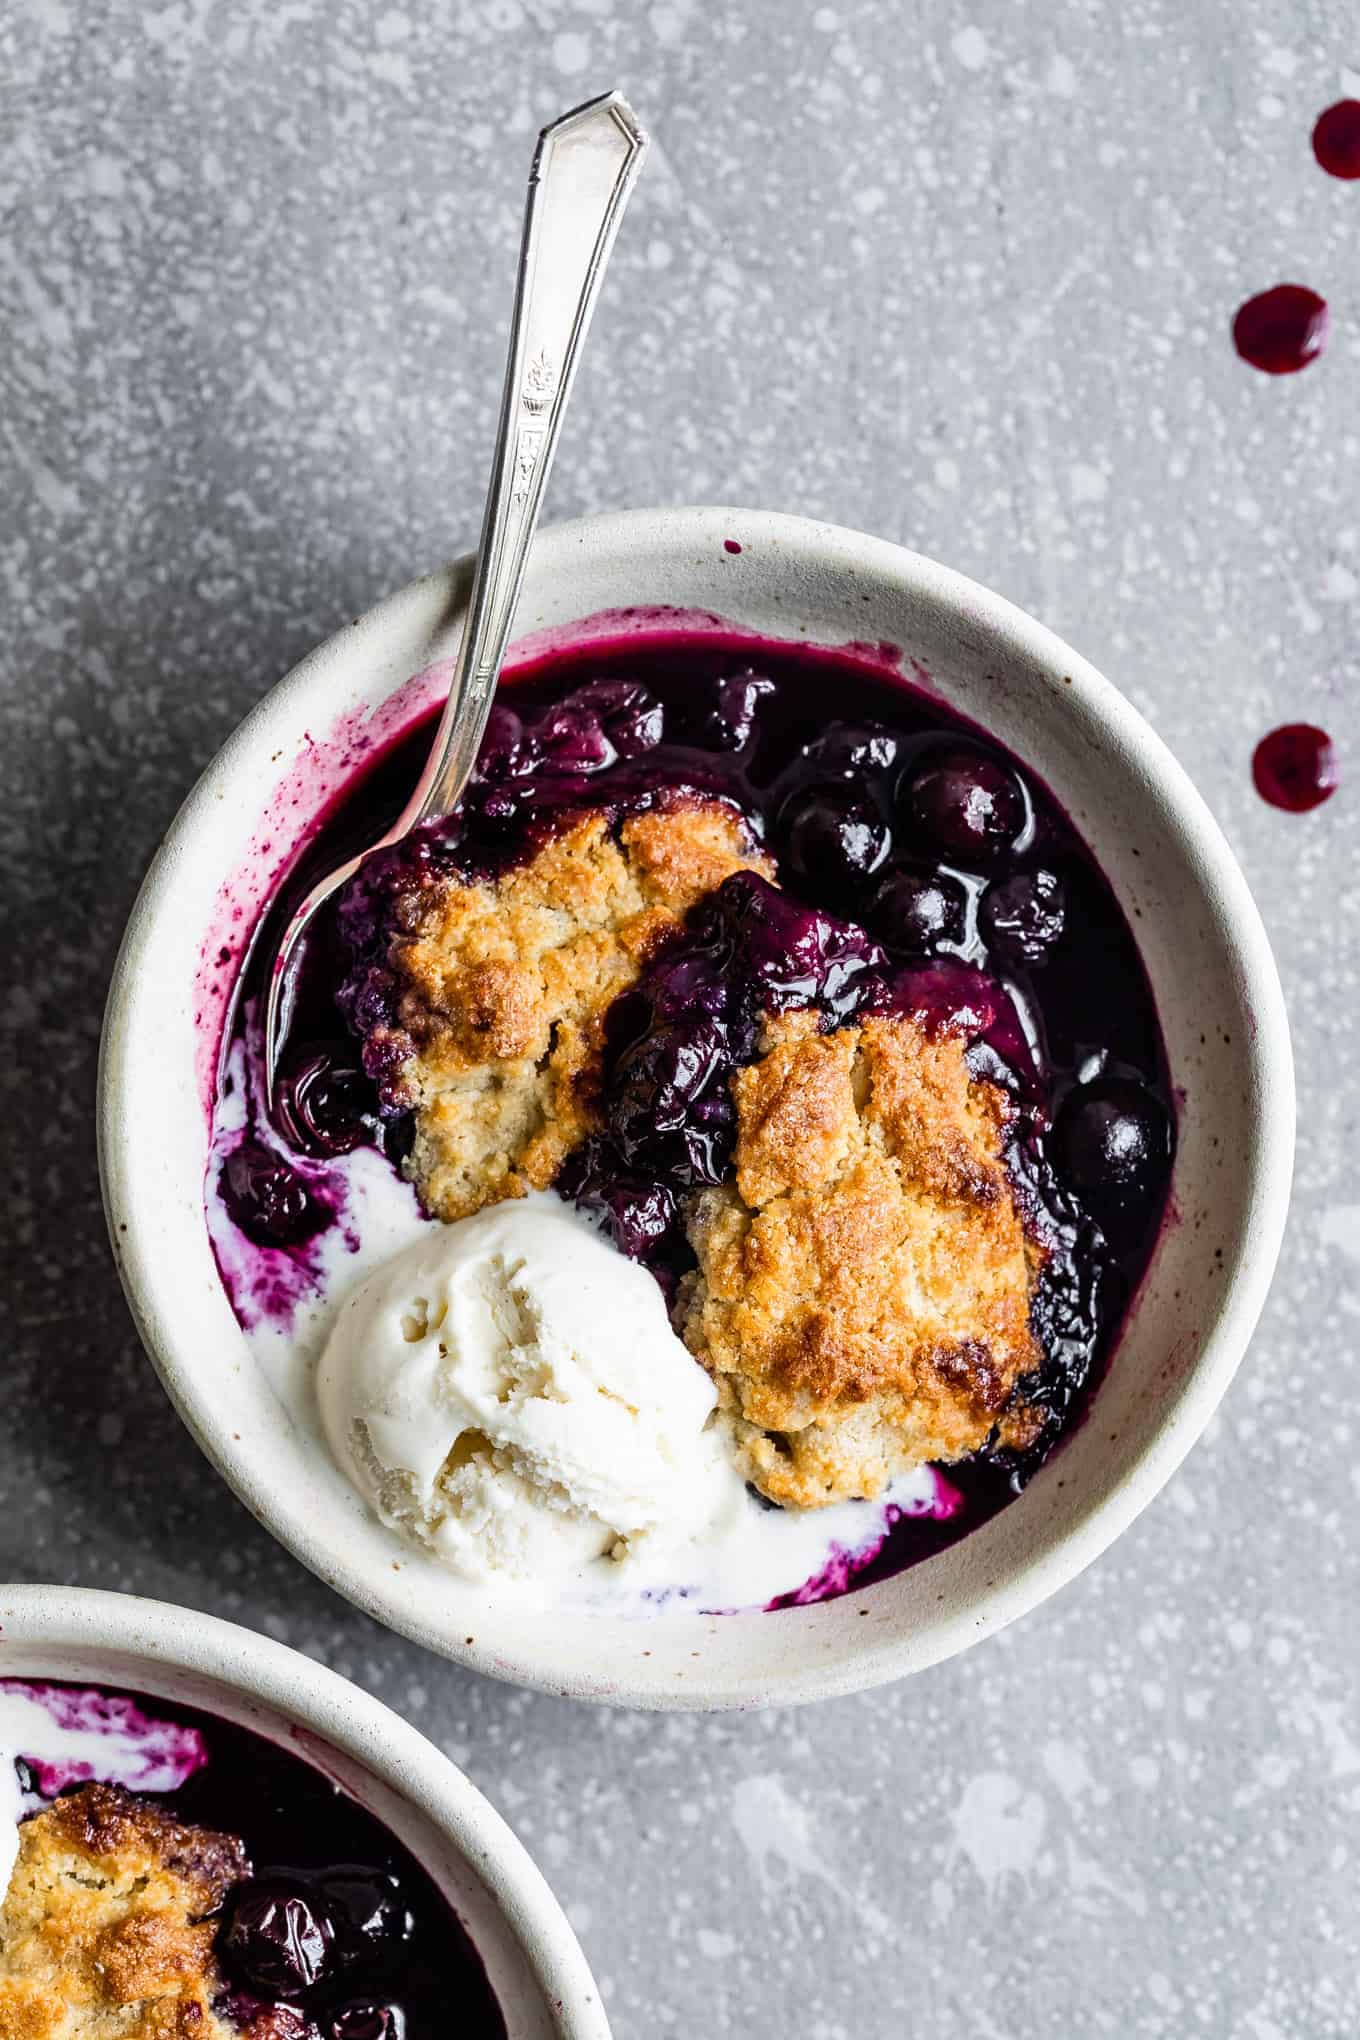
533, 1963
1205, 952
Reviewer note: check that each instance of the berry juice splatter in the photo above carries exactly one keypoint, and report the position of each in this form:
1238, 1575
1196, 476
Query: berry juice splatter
1295, 767
1282, 330
1336, 139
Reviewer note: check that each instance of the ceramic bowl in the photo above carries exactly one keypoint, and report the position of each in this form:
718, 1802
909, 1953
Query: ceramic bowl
1202, 941
532, 1958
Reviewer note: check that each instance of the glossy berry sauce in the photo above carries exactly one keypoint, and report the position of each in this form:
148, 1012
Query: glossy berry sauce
1336, 139
1281, 330
1295, 767
921, 871
337, 1933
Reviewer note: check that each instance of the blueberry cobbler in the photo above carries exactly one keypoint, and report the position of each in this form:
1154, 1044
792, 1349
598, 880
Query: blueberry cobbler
168, 1876
775, 1122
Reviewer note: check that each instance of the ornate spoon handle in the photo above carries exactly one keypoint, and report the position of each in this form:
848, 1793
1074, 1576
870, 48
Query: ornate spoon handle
584, 169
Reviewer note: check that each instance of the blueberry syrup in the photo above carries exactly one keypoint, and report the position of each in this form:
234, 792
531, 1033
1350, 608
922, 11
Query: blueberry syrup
921, 871
337, 1933
1336, 139
1282, 330
1295, 767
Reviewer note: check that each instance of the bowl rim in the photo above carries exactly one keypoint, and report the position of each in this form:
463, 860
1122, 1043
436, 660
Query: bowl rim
1027, 1580
164, 1636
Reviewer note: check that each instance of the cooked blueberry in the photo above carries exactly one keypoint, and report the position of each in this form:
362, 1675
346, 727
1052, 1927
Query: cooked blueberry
366, 2019
964, 802
1023, 916
657, 1080
1113, 1142
573, 741
267, 1198
834, 841
853, 751
277, 1937
598, 724
371, 1919
504, 753
730, 723
782, 954
324, 1099
915, 910
638, 1217
630, 715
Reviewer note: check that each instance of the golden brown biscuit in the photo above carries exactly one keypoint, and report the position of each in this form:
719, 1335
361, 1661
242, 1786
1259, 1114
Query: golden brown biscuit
507, 984
862, 1294
106, 1931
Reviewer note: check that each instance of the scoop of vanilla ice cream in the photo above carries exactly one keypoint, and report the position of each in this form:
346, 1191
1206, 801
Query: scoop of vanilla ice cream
509, 1392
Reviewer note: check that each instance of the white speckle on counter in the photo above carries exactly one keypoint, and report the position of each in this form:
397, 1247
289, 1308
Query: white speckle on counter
999, 1827
570, 54
970, 47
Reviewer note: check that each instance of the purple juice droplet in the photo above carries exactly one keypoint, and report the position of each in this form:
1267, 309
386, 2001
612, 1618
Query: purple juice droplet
1295, 768
1281, 330
1336, 139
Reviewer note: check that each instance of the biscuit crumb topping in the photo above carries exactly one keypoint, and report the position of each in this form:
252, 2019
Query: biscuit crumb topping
862, 1290
862, 1287
106, 1931
507, 982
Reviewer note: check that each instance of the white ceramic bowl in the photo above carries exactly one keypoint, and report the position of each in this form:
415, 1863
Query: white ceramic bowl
532, 1958
1202, 941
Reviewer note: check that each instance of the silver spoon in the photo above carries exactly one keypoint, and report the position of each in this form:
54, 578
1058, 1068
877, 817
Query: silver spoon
583, 172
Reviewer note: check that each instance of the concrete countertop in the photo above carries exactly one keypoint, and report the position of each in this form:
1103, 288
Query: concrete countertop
961, 275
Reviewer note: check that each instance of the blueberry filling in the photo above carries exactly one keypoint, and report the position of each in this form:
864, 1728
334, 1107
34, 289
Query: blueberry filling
919, 911
337, 1932
920, 871
268, 1199
277, 1938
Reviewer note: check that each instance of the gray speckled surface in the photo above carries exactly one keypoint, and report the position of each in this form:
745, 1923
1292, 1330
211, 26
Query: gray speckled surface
957, 274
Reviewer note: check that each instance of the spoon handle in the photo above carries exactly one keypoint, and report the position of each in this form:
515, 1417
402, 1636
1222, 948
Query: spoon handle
583, 172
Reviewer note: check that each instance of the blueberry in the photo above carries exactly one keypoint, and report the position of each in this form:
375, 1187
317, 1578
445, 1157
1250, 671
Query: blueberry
371, 1918
659, 1078
573, 740
598, 724
1113, 1142
630, 715
782, 954
730, 723
277, 1937
852, 751
965, 803
1022, 917
504, 752
834, 841
267, 1199
638, 1217
325, 1102
366, 2019
915, 910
